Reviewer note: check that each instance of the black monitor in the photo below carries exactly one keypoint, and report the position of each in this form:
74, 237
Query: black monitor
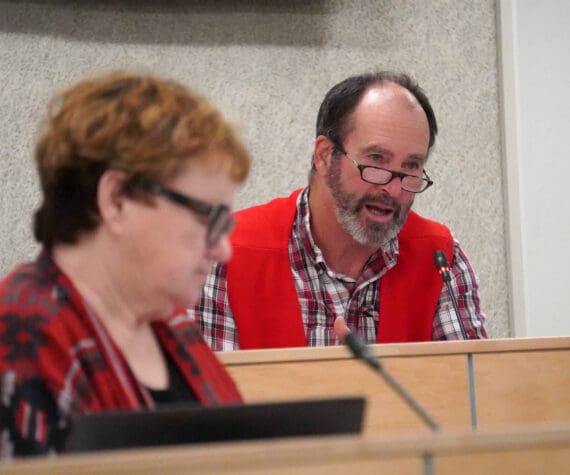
184, 424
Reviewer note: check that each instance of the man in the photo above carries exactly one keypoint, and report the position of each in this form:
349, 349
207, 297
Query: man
348, 244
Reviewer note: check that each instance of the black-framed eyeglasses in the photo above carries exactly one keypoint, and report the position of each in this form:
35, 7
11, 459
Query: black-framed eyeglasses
383, 176
220, 222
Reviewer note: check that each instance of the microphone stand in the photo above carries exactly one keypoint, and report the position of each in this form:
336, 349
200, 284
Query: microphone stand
362, 351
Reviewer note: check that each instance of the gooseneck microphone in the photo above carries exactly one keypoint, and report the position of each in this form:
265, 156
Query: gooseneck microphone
362, 351
442, 266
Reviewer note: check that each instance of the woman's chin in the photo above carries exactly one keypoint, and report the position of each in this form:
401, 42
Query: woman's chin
193, 297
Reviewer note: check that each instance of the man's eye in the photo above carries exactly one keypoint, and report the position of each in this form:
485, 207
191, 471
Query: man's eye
375, 157
412, 165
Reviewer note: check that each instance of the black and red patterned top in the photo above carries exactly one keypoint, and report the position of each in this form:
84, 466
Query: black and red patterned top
57, 360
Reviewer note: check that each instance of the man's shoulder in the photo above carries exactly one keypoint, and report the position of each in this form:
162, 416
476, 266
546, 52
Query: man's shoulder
267, 225
419, 226
271, 209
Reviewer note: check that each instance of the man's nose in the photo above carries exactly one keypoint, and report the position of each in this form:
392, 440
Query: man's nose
394, 186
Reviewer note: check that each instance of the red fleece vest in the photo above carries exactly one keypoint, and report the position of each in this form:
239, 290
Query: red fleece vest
262, 292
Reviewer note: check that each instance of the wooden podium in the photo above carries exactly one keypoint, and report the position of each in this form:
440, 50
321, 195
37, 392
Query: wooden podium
463, 385
503, 407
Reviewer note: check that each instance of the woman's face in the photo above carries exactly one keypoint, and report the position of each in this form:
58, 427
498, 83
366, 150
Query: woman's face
166, 241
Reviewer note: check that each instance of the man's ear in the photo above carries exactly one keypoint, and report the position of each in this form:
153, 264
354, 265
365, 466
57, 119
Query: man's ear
322, 154
111, 197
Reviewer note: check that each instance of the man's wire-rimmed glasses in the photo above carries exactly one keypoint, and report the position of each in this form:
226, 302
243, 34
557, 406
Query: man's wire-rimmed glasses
383, 176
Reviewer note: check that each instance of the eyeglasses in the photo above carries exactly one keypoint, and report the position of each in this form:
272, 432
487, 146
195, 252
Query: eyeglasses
382, 176
220, 222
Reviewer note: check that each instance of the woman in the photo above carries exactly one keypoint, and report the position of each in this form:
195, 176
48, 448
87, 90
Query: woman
138, 178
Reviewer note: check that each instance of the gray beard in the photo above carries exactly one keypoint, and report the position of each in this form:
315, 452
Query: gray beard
348, 209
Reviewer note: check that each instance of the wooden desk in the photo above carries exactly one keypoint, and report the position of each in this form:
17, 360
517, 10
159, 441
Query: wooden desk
514, 382
524, 451
483, 383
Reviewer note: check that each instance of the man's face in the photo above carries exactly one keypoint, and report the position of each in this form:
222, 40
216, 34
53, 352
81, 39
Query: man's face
388, 129
351, 210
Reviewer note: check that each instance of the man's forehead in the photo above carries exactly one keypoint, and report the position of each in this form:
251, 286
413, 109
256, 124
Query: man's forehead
388, 92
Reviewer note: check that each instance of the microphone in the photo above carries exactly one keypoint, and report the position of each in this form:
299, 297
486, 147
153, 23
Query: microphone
362, 351
442, 266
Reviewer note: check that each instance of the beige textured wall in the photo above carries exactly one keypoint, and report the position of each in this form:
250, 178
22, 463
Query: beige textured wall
268, 63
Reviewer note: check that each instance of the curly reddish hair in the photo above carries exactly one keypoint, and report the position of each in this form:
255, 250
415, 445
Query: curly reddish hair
145, 127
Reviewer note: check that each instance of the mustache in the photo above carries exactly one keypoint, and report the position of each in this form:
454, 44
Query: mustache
382, 199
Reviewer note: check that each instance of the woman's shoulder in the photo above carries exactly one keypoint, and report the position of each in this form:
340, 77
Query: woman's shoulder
31, 314
29, 292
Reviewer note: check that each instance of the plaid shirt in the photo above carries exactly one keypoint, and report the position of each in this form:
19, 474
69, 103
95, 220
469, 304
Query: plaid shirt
324, 294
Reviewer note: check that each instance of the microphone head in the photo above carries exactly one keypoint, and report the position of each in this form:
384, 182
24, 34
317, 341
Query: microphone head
440, 259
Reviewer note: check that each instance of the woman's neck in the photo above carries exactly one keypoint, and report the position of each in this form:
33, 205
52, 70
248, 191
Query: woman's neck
101, 281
